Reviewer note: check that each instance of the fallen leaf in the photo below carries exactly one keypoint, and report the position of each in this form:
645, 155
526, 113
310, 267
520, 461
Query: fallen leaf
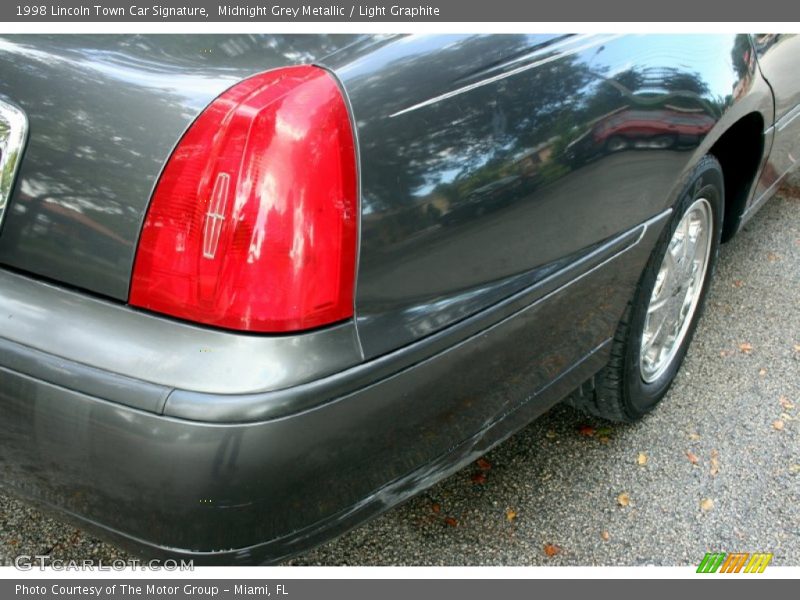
483, 464
737, 283
623, 499
762, 372
478, 478
551, 549
511, 514
772, 256
605, 431
436, 507
778, 425
692, 457
451, 521
794, 469
641, 459
551, 434
707, 504
714, 463
785, 403
605, 535
603, 439
586, 430
797, 347
746, 347
694, 436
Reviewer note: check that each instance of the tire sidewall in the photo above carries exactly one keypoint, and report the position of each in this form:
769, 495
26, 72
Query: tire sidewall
639, 397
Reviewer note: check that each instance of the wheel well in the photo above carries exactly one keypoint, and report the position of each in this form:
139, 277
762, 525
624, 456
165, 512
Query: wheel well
739, 151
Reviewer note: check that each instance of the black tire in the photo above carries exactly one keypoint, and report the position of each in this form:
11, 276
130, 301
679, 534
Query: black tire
621, 392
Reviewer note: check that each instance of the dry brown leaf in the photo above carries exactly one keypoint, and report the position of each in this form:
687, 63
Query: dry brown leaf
737, 283
714, 463
551, 549
707, 504
786, 403
746, 347
694, 436
605, 535
778, 425
551, 434
483, 464
762, 372
641, 460
478, 478
511, 514
436, 507
623, 499
586, 430
797, 347
692, 457
451, 521
773, 257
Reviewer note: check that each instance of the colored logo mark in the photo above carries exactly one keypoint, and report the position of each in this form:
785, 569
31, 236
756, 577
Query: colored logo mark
734, 562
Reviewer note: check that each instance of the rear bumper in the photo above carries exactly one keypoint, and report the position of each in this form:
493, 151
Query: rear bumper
258, 477
248, 493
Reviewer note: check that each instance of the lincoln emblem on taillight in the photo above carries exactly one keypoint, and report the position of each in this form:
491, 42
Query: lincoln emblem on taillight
215, 215
13, 130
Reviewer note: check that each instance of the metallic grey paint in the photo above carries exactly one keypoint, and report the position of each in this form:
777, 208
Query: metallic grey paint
111, 338
512, 189
105, 112
250, 492
480, 152
777, 56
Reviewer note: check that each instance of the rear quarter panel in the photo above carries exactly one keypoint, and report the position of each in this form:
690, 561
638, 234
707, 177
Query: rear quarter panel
489, 162
777, 56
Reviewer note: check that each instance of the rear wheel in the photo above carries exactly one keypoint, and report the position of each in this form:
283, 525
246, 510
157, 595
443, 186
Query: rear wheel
654, 333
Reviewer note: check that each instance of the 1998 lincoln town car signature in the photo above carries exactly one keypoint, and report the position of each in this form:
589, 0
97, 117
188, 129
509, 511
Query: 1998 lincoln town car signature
255, 290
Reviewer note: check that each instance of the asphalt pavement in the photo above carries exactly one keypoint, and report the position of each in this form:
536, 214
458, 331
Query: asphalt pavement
716, 467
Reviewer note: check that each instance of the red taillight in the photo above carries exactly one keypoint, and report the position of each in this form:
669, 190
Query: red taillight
252, 225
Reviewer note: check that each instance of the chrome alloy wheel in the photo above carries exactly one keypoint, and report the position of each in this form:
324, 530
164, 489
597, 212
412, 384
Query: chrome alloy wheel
677, 290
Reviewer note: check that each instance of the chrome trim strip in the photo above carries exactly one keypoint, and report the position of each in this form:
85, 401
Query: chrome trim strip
788, 118
554, 52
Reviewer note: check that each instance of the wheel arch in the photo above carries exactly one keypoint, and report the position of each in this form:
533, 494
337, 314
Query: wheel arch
740, 152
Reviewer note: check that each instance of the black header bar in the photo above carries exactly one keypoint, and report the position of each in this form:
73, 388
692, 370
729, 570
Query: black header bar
467, 11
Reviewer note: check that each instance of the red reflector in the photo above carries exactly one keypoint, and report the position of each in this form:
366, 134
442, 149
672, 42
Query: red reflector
252, 225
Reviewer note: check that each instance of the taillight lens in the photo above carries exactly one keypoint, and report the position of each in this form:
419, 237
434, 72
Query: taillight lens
253, 223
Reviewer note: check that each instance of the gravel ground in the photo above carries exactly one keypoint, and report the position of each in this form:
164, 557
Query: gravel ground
715, 468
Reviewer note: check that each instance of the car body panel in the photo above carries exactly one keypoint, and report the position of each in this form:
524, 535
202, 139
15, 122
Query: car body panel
105, 113
502, 235
482, 169
260, 490
777, 58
